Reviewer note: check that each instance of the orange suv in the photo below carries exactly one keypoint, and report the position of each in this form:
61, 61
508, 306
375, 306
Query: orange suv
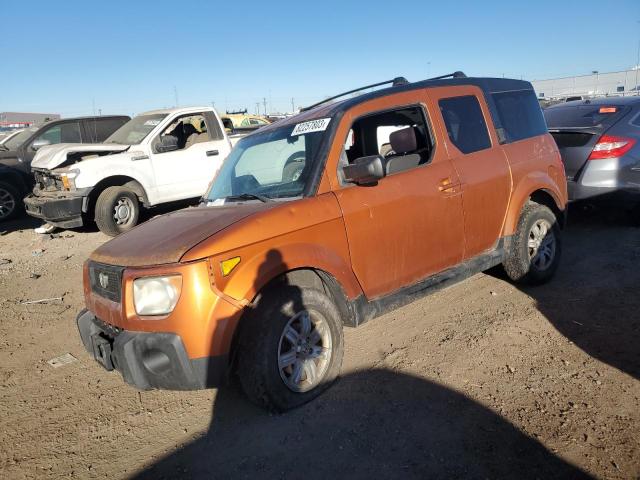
329, 218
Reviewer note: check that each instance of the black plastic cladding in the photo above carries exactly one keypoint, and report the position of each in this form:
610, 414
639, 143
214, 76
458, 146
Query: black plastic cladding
338, 109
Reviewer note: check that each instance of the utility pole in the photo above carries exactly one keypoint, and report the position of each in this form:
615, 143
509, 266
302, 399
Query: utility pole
264, 102
293, 106
175, 94
99, 112
213, 104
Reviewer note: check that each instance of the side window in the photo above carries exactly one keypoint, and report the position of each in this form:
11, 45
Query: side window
465, 124
520, 114
61, 133
401, 136
188, 131
101, 128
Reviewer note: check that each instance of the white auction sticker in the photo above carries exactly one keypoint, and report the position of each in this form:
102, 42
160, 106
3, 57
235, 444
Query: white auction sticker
319, 125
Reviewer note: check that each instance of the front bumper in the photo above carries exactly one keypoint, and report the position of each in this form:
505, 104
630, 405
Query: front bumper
63, 212
149, 360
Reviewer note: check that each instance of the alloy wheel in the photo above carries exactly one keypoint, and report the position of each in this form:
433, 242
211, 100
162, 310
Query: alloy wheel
304, 351
541, 244
7, 203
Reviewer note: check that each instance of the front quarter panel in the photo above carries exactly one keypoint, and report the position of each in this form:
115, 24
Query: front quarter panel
307, 233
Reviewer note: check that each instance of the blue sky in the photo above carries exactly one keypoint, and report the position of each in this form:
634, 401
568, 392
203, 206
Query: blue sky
127, 56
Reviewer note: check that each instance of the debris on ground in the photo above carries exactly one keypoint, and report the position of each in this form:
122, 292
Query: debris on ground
62, 360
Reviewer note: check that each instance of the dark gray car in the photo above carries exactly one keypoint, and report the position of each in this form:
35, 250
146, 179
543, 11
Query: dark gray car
16, 179
599, 140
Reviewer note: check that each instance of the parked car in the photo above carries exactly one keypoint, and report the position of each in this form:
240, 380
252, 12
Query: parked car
157, 157
17, 153
6, 135
599, 143
261, 279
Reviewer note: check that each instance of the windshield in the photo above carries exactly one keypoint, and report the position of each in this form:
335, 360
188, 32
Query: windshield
275, 164
136, 129
19, 138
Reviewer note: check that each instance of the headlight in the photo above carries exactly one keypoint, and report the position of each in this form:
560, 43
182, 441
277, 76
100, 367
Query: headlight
156, 295
69, 179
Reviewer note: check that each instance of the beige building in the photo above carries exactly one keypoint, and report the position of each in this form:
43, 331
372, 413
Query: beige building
626, 82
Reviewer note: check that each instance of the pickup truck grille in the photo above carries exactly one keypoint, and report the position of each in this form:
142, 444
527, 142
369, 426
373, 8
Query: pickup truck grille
106, 280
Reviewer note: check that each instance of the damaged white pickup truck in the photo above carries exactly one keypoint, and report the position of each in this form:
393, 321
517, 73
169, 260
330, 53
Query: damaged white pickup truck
156, 157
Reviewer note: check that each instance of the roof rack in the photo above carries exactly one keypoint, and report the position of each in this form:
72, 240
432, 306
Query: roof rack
457, 74
395, 82
237, 112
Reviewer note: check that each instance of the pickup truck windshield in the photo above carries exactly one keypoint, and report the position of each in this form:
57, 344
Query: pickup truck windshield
136, 129
274, 164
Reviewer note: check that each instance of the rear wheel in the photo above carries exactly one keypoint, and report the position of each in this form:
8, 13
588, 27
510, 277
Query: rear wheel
117, 210
10, 201
534, 253
290, 348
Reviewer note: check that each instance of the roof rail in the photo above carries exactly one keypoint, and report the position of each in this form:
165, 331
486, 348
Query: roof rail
395, 82
457, 74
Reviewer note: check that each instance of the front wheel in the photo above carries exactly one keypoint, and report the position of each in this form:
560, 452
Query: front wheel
534, 253
117, 210
10, 201
290, 348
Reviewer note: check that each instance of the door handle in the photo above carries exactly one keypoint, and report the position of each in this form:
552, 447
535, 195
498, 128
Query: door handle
211, 153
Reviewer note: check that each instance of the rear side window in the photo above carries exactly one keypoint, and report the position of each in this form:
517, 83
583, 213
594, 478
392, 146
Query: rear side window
100, 129
576, 116
465, 123
520, 114
61, 133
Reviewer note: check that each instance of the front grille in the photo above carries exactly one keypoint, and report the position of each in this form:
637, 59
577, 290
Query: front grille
106, 280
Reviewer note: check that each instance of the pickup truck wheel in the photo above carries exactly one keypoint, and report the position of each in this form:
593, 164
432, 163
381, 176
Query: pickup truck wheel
534, 254
10, 201
117, 210
290, 348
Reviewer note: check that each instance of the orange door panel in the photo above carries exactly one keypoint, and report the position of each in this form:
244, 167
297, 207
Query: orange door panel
485, 175
410, 224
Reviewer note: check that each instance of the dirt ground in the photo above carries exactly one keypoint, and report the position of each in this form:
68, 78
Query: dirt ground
482, 380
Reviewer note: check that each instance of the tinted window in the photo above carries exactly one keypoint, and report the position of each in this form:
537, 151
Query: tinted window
465, 124
519, 114
575, 116
100, 129
62, 133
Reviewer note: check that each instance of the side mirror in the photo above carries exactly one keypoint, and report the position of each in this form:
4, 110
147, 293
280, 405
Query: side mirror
365, 170
39, 143
168, 143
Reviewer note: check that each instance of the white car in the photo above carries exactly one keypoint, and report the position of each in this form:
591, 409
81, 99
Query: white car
157, 157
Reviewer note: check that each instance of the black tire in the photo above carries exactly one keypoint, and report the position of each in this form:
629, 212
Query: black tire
105, 210
519, 265
13, 206
260, 345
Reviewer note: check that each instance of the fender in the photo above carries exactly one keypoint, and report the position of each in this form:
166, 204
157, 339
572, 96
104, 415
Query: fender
532, 182
257, 271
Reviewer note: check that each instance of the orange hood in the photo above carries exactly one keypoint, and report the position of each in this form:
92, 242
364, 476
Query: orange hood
165, 239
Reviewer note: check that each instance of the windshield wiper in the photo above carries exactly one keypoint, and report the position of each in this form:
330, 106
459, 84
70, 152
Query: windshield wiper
249, 196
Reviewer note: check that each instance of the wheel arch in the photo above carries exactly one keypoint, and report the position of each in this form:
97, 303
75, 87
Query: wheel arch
117, 181
302, 277
540, 190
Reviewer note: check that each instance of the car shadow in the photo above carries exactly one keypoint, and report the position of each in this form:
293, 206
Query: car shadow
593, 299
375, 423
22, 222
371, 424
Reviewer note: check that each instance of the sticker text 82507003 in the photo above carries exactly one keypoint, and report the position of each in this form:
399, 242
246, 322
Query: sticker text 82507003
318, 125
